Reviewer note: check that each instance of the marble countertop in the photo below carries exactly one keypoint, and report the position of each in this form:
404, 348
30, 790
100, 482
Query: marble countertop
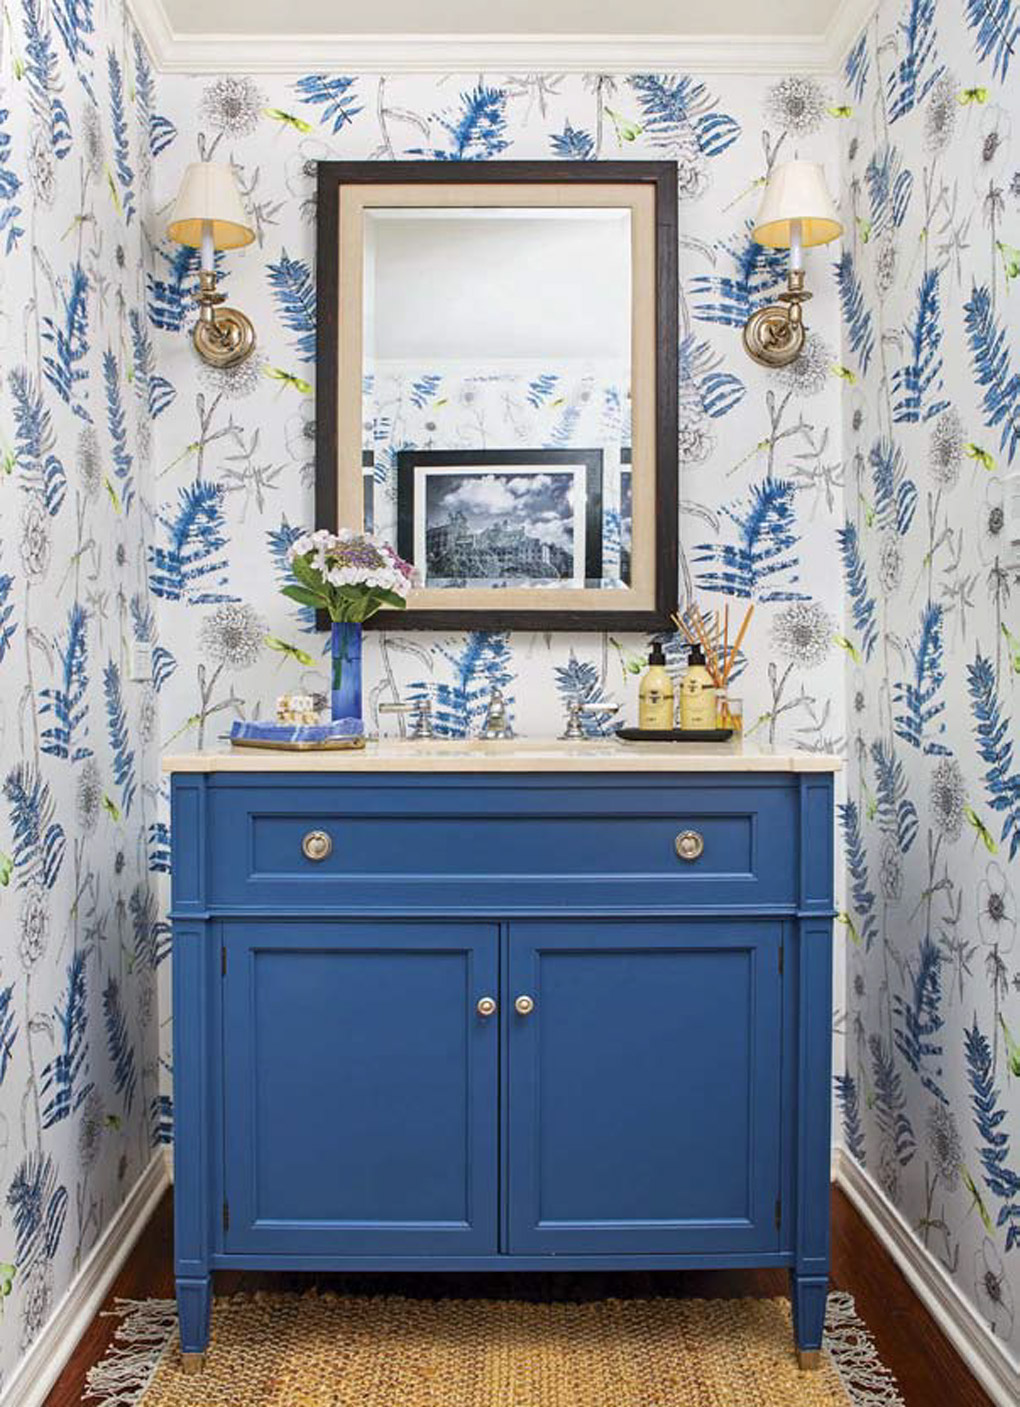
512, 755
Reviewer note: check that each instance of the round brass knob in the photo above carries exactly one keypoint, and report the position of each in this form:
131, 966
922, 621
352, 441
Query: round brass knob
316, 845
486, 1006
689, 845
524, 1006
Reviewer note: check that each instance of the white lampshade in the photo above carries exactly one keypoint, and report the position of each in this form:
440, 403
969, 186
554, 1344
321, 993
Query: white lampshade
209, 193
797, 191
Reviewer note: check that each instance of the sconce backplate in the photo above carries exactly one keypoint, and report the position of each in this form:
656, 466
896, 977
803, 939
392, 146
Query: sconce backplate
772, 338
226, 339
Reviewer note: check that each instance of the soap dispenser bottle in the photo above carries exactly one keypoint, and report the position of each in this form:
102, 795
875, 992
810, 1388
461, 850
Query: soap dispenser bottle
655, 694
697, 693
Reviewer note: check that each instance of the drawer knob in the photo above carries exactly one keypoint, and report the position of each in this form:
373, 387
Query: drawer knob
524, 1006
316, 845
486, 1006
689, 845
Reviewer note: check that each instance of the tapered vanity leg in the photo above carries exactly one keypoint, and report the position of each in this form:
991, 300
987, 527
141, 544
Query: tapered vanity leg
808, 1294
194, 1302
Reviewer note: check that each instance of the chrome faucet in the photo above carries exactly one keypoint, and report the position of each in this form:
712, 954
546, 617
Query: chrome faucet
497, 721
421, 716
576, 710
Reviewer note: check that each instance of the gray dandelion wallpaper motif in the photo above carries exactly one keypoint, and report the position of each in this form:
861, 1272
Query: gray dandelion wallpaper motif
856, 498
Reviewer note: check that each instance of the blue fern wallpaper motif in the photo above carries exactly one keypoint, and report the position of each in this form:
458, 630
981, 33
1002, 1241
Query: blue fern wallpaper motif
929, 294
81, 927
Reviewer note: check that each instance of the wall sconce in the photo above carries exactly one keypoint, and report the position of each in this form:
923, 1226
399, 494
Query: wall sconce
796, 211
209, 215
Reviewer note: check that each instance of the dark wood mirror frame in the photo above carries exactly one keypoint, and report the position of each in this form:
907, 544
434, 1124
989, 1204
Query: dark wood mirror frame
660, 176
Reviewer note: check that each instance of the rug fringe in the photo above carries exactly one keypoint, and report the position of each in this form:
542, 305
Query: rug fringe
147, 1328
865, 1378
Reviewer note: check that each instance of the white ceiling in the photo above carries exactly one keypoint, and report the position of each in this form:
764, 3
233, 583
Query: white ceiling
519, 17
472, 36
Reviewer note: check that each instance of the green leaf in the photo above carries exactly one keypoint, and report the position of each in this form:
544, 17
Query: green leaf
6, 869
305, 597
307, 574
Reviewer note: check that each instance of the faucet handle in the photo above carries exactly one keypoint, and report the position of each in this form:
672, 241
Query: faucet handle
576, 708
421, 724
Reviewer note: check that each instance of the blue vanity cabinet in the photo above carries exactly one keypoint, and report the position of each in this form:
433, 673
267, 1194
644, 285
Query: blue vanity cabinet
508, 1020
644, 1092
362, 1084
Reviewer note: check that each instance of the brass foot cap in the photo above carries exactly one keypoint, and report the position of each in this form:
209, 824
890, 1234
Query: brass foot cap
808, 1359
192, 1362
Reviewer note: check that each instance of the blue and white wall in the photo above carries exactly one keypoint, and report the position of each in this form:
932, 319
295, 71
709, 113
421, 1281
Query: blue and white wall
930, 288
80, 927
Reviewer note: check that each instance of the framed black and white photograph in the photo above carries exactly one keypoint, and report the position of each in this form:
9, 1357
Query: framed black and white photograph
501, 518
368, 488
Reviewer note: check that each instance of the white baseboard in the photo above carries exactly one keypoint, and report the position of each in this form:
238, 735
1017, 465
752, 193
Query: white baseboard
985, 1356
32, 1379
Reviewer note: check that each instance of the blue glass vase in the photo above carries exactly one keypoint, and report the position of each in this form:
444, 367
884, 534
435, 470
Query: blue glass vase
345, 680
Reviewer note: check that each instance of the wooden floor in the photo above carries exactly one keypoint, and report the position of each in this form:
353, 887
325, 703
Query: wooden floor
909, 1343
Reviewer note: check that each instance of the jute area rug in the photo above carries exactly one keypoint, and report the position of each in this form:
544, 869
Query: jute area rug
328, 1350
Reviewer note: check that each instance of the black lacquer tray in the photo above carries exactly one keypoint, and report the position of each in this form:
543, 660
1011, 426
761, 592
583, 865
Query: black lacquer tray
674, 735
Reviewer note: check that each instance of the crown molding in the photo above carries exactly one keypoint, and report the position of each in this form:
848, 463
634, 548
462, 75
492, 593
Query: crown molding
507, 53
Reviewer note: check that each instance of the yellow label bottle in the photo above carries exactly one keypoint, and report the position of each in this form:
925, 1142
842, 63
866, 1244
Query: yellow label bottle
655, 694
697, 693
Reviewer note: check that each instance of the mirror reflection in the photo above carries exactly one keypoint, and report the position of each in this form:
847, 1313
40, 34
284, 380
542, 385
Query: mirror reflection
497, 392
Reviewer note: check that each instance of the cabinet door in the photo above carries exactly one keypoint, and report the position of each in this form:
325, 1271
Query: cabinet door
360, 1088
644, 1086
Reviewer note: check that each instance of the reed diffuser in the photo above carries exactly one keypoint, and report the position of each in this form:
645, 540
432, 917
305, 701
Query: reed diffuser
712, 637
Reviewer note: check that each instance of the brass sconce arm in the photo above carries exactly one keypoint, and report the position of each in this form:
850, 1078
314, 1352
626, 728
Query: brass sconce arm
774, 336
223, 337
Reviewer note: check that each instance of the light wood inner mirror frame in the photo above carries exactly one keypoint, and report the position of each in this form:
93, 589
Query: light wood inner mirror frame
648, 190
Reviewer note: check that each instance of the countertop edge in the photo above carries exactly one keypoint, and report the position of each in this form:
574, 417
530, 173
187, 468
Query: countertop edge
329, 763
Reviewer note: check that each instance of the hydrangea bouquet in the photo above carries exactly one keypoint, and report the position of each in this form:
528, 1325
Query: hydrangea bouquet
351, 577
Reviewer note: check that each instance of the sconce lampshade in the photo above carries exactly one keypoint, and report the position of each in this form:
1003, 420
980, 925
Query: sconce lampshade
209, 193
797, 191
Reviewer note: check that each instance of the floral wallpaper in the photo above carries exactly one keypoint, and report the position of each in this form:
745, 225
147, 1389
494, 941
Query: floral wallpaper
81, 931
761, 461
928, 283
148, 503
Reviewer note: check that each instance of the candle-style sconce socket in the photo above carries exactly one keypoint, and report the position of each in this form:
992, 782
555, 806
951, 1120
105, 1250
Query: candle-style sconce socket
796, 212
208, 215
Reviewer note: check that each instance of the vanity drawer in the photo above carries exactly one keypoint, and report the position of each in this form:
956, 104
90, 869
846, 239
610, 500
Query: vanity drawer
401, 843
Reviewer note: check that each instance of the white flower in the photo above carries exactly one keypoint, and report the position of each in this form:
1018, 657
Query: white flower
994, 1295
944, 1144
891, 870
992, 542
232, 635
940, 114
947, 797
993, 147
35, 926
802, 632
90, 462
890, 563
42, 167
35, 538
797, 104
89, 796
808, 374
36, 1301
885, 265
92, 140
232, 105
996, 909
90, 1130
945, 448
235, 382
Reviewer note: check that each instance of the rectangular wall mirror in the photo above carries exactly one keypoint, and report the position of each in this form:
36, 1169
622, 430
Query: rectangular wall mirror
497, 386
